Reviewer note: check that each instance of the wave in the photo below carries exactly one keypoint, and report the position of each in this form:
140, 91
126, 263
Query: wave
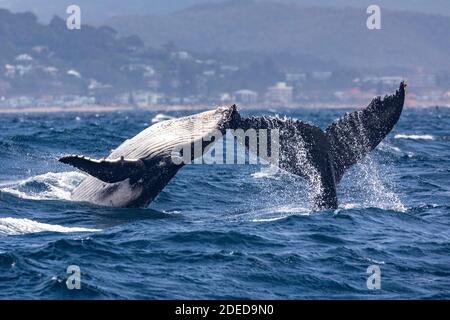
279, 213
270, 213
48, 186
395, 205
14, 226
414, 136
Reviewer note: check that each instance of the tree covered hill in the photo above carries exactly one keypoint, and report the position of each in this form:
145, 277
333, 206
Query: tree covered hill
44, 58
407, 39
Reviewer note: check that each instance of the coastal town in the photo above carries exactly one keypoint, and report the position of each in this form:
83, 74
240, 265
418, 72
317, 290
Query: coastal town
290, 91
70, 73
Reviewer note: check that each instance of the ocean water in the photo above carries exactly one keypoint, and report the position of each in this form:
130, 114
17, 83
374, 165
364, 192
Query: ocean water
224, 231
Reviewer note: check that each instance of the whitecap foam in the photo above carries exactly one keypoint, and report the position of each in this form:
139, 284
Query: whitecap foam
15, 226
348, 206
272, 213
292, 209
280, 213
374, 261
269, 219
48, 186
414, 136
394, 206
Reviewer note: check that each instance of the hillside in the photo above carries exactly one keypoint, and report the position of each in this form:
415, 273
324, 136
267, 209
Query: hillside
407, 39
37, 58
41, 64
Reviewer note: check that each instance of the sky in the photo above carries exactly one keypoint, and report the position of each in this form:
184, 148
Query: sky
97, 11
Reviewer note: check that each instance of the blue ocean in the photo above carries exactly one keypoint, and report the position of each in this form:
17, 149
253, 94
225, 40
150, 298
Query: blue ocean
225, 231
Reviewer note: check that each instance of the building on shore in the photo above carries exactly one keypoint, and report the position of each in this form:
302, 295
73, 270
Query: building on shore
422, 80
246, 96
280, 93
146, 98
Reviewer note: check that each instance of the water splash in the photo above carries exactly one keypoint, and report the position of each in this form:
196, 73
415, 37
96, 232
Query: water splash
302, 162
268, 172
386, 147
281, 195
48, 186
369, 182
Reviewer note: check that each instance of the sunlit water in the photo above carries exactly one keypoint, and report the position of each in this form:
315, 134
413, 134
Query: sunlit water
224, 231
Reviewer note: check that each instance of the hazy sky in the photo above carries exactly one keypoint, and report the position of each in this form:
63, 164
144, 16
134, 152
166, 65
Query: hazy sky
101, 10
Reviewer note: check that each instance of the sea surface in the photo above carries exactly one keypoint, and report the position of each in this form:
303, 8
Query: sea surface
225, 231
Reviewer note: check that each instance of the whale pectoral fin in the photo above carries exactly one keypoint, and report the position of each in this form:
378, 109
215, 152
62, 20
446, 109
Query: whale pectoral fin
110, 171
357, 133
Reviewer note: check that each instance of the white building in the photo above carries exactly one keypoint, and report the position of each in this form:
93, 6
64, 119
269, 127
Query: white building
246, 96
74, 73
10, 71
280, 93
145, 99
388, 81
24, 57
295, 77
225, 98
181, 55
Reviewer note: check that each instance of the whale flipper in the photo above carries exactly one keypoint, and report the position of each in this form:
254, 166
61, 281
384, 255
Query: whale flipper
357, 133
129, 182
106, 170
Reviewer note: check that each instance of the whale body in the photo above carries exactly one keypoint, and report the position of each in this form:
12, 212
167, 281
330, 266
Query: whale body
134, 173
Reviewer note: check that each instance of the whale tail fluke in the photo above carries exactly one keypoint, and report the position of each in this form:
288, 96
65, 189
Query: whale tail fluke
357, 133
322, 157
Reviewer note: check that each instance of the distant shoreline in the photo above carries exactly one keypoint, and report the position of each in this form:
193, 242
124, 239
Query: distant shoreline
169, 108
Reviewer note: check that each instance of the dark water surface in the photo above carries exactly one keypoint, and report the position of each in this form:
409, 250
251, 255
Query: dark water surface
224, 231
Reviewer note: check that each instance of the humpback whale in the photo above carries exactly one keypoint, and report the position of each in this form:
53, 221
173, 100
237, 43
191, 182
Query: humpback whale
136, 172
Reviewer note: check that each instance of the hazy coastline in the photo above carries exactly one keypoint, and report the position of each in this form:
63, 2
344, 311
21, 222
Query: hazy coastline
169, 108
